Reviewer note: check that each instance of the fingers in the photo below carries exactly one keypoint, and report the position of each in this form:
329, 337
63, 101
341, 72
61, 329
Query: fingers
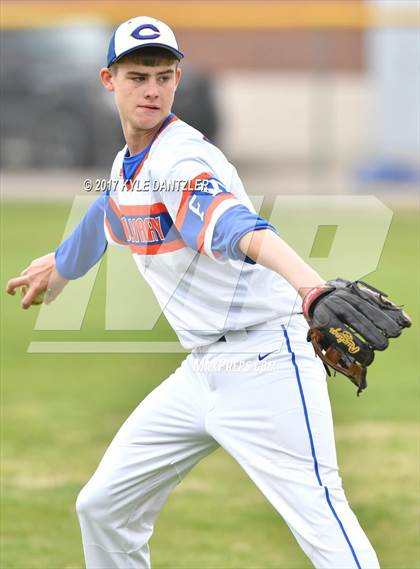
34, 281
41, 293
15, 283
32, 295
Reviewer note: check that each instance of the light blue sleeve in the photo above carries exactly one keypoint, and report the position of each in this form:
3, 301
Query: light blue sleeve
231, 227
85, 245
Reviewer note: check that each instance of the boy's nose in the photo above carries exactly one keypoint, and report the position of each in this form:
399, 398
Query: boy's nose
151, 90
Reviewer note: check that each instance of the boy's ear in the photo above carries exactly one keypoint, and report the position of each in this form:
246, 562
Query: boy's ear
178, 75
106, 77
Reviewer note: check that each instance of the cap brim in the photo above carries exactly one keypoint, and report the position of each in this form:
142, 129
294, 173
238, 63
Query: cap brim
178, 54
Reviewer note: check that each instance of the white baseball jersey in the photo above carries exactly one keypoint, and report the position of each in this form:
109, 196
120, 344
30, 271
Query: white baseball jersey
261, 395
166, 204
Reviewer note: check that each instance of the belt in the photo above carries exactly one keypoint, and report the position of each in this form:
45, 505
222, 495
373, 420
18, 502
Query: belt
237, 335
240, 335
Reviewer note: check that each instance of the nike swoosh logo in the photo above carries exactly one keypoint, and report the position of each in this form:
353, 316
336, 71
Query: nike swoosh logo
263, 356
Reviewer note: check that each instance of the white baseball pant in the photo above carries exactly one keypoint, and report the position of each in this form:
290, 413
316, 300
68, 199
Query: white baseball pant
270, 412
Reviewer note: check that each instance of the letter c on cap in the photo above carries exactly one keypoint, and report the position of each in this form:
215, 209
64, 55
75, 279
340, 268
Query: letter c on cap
138, 36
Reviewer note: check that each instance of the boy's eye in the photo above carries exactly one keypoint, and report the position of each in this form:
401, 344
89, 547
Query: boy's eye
162, 79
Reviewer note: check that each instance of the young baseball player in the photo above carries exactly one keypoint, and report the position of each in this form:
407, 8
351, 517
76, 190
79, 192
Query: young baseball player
231, 289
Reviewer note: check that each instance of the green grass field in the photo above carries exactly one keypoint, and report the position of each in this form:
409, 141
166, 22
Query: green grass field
60, 412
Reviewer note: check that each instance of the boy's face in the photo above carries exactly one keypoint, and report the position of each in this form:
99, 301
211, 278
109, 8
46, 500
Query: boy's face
144, 95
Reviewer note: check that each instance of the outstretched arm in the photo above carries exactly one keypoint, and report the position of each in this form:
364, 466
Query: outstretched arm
46, 276
85, 245
268, 249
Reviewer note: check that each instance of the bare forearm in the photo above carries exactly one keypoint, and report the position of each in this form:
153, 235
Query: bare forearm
268, 249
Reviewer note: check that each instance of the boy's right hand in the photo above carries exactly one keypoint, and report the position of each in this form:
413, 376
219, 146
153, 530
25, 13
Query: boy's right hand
39, 282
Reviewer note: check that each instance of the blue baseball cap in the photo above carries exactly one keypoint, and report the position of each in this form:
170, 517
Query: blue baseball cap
141, 32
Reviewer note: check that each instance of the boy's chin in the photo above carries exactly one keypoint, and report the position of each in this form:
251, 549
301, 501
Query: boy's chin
148, 123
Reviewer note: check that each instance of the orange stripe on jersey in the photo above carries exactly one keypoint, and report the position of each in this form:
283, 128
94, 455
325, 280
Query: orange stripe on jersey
186, 194
117, 212
114, 206
157, 248
112, 234
207, 218
149, 209
173, 119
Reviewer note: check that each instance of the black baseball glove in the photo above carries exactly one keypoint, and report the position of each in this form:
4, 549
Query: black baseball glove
348, 321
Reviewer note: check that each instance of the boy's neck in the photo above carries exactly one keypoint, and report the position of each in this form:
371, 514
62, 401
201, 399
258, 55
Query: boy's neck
138, 140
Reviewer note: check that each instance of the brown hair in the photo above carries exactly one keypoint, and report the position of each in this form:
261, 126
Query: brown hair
150, 56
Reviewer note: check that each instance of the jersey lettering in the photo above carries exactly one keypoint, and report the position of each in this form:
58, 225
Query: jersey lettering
144, 230
200, 198
195, 208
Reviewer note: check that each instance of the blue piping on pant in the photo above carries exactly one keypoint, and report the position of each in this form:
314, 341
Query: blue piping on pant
311, 441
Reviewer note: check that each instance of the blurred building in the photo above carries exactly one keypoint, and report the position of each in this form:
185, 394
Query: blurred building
281, 85
56, 113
